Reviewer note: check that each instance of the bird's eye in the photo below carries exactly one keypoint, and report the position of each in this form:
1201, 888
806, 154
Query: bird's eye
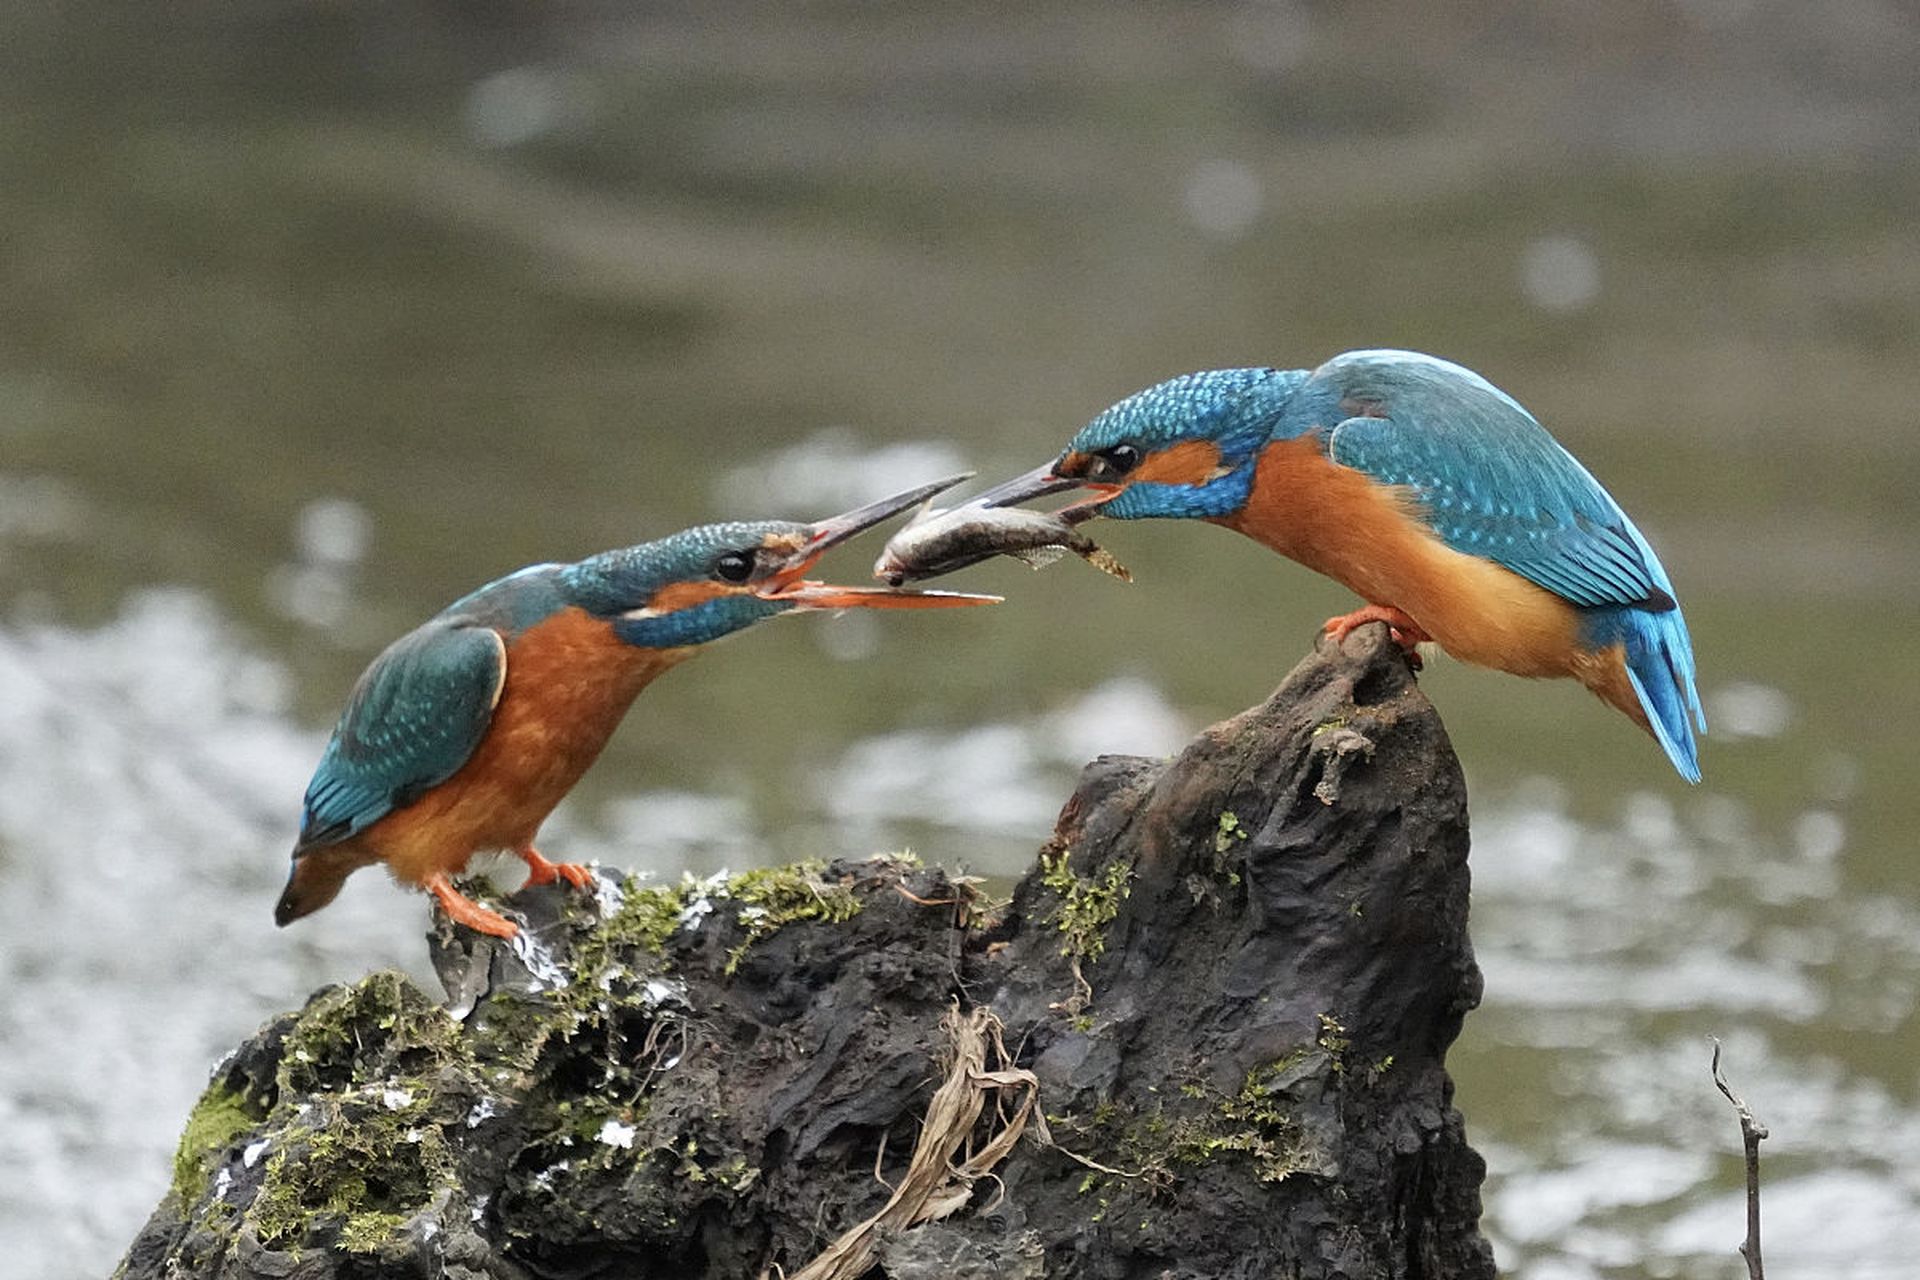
1111, 464
734, 566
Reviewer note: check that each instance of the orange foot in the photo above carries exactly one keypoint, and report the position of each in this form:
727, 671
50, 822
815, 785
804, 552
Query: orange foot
1405, 631
540, 871
463, 910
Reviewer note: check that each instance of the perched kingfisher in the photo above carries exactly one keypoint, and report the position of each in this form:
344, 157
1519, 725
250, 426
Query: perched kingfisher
1425, 489
468, 730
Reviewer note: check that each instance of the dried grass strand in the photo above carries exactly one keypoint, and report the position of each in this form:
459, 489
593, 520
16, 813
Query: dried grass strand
934, 1186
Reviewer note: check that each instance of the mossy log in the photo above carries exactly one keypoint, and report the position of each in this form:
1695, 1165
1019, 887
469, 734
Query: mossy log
1205, 1038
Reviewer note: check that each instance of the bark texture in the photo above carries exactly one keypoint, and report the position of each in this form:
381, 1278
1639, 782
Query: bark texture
1206, 1038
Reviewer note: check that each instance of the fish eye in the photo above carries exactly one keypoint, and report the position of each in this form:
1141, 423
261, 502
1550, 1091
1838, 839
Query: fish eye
1111, 464
733, 566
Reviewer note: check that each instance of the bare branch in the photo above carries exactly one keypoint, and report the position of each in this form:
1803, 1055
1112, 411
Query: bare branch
1751, 1134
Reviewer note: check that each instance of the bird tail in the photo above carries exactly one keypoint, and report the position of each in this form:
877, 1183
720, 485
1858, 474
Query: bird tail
313, 882
1659, 661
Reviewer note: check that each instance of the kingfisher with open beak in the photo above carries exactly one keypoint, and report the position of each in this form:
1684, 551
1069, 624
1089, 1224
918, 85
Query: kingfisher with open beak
1426, 490
467, 732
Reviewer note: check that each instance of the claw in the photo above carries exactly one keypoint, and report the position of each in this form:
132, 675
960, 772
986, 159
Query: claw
1404, 630
540, 871
463, 910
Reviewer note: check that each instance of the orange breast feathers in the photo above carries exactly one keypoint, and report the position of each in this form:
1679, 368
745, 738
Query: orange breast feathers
1369, 536
569, 682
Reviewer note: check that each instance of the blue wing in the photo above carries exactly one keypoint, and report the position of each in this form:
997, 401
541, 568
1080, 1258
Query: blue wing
1493, 482
413, 719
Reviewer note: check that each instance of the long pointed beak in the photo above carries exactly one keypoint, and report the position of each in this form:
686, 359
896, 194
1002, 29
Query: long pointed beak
824, 595
1037, 483
790, 583
1040, 482
835, 530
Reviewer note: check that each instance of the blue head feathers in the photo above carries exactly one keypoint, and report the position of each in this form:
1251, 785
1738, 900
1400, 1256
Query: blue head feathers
1234, 411
717, 564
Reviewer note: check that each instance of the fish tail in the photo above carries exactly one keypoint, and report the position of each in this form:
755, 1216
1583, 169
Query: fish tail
1103, 560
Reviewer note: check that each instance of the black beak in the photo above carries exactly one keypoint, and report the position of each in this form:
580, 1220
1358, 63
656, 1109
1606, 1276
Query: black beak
790, 583
835, 530
1037, 483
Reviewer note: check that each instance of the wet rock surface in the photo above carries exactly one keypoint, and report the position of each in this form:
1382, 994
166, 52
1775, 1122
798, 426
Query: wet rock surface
1205, 1038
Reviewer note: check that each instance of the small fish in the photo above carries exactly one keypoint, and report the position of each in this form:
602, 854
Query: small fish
937, 542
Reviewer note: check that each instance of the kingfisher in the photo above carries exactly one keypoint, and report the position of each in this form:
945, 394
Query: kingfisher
467, 731
1424, 489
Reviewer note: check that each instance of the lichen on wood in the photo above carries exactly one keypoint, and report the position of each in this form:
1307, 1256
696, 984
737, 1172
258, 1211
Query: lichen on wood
1228, 986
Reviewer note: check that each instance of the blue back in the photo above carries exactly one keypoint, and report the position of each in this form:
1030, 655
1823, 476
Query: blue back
423, 706
1489, 479
1493, 483
412, 720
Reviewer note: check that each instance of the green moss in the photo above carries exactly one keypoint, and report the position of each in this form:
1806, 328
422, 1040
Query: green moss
1334, 1039
1256, 1124
1253, 1123
367, 1163
512, 1029
367, 1232
608, 967
1195, 1124
735, 1174
648, 916
221, 1115
1087, 904
380, 1027
1228, 832
385, 1078
365, 1153
771, 898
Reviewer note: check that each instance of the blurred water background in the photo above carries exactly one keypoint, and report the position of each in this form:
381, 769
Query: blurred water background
315, 315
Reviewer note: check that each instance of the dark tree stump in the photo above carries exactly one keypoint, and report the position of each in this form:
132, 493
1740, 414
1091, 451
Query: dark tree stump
1231, 980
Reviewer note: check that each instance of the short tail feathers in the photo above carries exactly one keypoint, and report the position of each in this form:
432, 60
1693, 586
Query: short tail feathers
314, 881
1660, 665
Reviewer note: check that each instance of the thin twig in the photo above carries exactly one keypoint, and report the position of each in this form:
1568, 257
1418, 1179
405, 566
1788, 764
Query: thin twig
1095, 1164
1751, 1134
911, 896
879, 1156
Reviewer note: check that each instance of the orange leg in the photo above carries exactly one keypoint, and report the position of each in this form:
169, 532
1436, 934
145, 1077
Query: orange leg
1405, 631
465, 911
540, 871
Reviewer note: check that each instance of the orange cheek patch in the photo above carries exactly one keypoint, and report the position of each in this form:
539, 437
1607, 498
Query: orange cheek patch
1189, 462
676, 596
